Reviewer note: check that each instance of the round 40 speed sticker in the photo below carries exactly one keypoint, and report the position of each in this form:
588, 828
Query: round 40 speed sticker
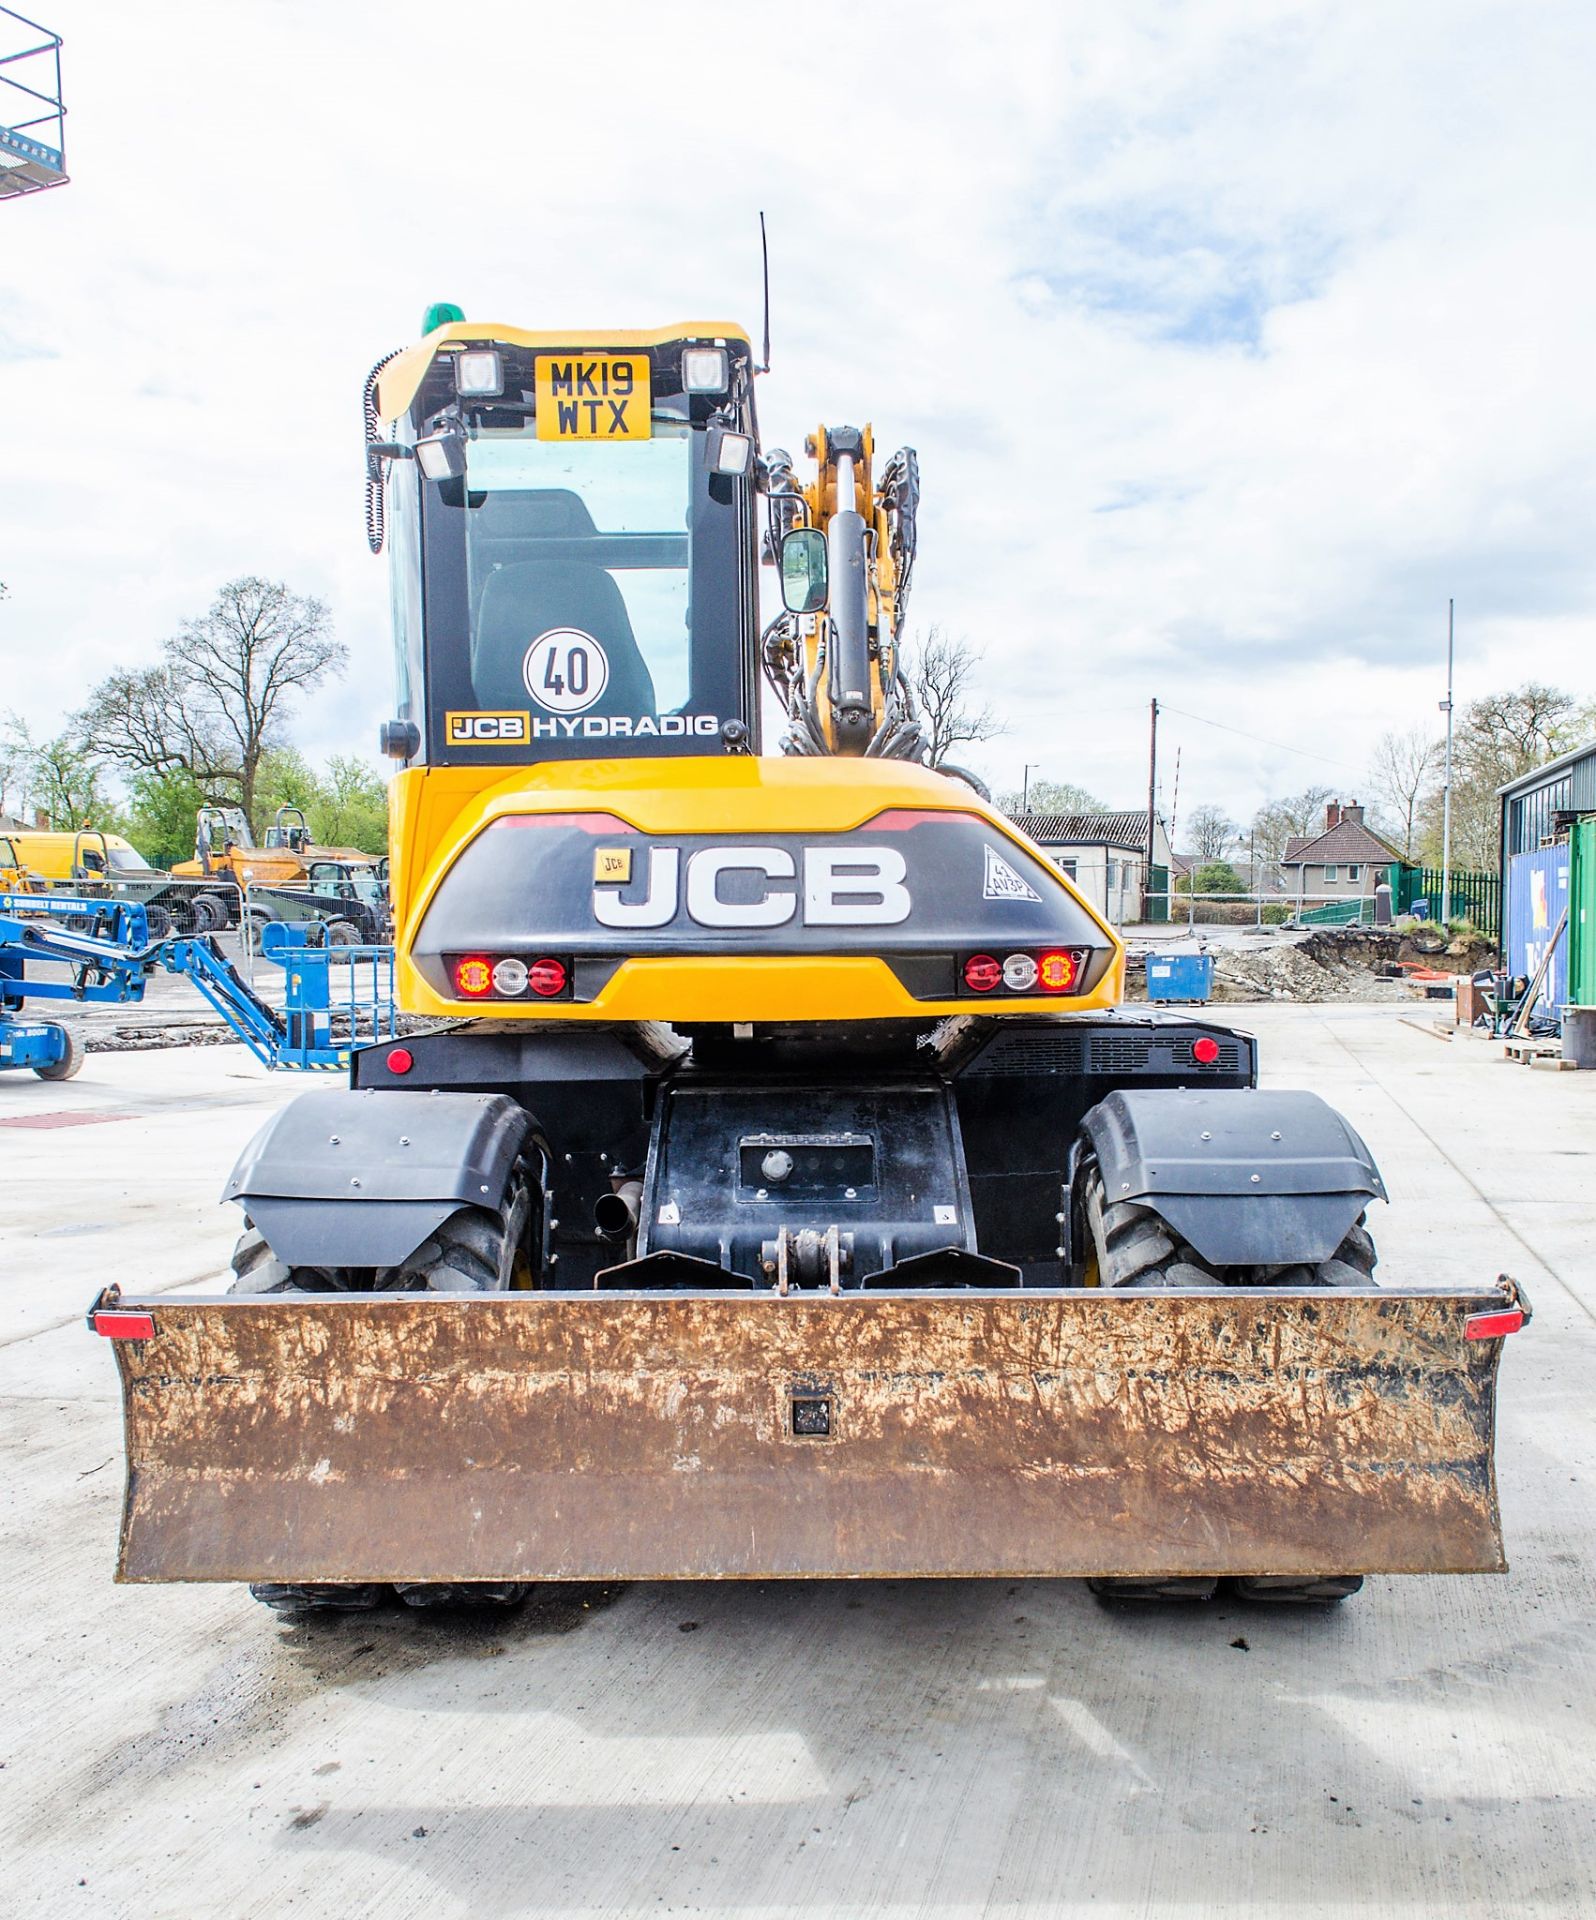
565, 670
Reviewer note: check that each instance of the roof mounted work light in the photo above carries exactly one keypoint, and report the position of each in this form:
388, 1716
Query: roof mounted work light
441, 455
705, 370
479, 373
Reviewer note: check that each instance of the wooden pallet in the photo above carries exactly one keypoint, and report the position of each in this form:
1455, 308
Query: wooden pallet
1529, 1051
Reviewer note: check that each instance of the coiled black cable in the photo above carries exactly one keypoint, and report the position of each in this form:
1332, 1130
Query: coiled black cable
376, 529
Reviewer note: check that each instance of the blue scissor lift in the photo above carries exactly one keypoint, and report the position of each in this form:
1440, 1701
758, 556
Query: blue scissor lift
32, 117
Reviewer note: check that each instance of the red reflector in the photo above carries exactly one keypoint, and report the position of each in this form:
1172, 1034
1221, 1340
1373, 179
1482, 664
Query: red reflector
473, 976
1056, 971
900, 819
400, 1060
125, 1326
1492, 1326
546, 977
982, 973
1205, 1051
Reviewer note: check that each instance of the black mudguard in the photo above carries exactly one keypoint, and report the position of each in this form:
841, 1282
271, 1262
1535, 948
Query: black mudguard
346, 1177
1249, 1177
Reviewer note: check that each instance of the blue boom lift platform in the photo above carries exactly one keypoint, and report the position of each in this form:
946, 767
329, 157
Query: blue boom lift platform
104, 951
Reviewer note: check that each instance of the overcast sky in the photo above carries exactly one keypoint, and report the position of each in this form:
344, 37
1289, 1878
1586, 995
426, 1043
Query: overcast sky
1234, 337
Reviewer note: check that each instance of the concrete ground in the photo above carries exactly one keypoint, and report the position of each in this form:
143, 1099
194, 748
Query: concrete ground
926, 1749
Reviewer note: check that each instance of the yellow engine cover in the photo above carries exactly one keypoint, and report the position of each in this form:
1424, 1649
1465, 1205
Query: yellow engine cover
730, 889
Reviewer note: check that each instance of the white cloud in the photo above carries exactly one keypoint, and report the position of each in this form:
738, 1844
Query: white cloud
1233, 338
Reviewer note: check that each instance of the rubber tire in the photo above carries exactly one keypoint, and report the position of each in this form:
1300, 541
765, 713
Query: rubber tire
1151, 1591
337, 934
1141, 1250
425, 1594
158, 920
320, 1597
210, 913
1329, 1591
67, 1067
180, 911
473, 1251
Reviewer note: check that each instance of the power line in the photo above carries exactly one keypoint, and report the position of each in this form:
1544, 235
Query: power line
1261, 739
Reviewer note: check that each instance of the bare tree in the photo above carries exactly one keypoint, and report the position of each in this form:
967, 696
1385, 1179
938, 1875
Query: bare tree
940, 668
1050, 796
1210, 832
57, 778
1278, 821
1402, 772
1500, 736
142, 720
215, 705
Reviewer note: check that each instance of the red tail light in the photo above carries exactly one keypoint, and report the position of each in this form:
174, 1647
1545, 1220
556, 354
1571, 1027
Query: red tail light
546, 977
982, 973
473, 976
400, 1060
1057, 970
1205, 1051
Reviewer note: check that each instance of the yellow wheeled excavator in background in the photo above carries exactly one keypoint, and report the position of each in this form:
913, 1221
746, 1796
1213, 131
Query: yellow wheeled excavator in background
783, 1190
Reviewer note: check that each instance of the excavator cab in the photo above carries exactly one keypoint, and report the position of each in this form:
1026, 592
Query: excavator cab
573, 546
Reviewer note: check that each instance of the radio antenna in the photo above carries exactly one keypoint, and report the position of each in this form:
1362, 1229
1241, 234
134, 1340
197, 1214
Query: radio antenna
764, 253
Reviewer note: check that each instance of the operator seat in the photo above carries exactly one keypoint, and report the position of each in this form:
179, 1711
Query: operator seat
528, 597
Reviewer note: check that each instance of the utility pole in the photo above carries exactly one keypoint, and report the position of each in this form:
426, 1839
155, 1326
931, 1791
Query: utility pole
1152, 797
1446, 788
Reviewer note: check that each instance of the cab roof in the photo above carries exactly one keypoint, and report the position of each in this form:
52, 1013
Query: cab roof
401, 379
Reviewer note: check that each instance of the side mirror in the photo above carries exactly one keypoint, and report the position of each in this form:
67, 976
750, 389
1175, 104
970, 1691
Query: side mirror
804, 575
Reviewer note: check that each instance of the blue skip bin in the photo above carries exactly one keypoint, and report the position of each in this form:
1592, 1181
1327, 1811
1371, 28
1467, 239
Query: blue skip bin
1180, 976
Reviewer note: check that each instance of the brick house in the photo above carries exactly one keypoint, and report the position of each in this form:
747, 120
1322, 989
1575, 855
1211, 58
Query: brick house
1346, 860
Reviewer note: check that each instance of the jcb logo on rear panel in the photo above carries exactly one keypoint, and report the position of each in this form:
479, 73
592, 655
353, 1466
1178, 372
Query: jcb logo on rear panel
486, 729
840, 886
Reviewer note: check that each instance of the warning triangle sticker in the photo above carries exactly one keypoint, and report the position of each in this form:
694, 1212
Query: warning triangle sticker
1003, 883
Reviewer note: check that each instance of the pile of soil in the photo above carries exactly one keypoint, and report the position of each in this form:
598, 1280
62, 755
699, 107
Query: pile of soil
1377, 947
1346, 963
1298, 973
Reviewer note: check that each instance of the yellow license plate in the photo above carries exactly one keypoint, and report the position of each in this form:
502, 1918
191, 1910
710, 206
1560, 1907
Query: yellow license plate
592, 396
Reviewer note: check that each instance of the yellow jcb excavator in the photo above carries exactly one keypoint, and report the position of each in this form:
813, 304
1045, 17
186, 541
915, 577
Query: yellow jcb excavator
788, 1192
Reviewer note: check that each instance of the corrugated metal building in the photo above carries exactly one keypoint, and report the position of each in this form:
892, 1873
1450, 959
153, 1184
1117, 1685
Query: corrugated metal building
1549, 864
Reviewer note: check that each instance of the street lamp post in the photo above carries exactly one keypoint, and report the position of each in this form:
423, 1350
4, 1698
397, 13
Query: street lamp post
1446, 786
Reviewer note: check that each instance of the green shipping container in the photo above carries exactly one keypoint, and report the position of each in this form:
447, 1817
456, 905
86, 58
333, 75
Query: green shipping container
1582, 915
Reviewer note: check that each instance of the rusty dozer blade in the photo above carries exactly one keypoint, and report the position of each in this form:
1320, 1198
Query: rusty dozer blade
608, 1436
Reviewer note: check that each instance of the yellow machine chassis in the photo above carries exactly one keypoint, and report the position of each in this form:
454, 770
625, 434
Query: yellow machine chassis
436, 812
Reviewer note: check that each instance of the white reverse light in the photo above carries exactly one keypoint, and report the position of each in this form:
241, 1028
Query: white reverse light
479, 372
509, 976
705, 370
1019, 973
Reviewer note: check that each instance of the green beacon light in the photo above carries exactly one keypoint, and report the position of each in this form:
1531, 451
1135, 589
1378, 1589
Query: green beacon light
442, 313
